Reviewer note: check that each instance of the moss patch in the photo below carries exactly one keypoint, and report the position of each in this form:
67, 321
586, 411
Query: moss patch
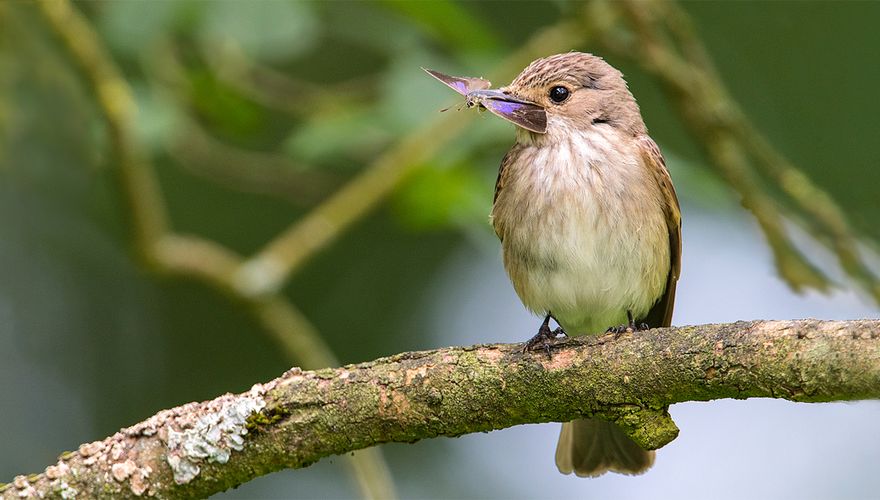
259, 421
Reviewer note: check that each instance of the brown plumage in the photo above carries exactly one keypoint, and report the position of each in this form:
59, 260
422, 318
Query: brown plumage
589, 223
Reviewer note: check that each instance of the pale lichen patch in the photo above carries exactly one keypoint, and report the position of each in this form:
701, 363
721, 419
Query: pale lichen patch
210, 434
57, 471
66, 491
57, 476
90, 449
122, 470
138, 482
24, 487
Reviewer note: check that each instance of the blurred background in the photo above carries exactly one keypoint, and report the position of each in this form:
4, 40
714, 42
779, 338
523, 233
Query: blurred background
246, 117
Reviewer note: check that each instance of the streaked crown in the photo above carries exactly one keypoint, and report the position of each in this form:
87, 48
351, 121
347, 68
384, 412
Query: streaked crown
594, 92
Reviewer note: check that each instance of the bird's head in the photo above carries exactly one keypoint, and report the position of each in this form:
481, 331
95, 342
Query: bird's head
566, 91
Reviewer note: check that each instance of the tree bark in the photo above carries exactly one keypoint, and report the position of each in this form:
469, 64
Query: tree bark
199, 449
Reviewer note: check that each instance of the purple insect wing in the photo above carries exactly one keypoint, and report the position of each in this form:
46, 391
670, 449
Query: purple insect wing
461, 84
528, 116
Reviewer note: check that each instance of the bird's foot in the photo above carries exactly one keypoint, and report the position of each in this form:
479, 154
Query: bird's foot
545, 339
629, 327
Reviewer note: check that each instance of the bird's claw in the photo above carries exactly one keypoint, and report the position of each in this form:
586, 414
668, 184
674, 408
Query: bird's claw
629, 327
544, 340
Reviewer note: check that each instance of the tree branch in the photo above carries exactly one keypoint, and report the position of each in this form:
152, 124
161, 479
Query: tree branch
202, 448
142, 196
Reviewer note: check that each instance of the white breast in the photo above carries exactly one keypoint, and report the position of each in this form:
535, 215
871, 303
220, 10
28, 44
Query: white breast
582, 228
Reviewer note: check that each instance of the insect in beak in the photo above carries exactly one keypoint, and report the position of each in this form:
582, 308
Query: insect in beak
477, 93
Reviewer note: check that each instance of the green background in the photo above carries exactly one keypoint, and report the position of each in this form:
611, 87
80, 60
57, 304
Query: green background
92, 342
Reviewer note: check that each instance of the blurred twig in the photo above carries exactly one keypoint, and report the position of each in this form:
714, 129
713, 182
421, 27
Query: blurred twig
210, 262
249, 171
660, 37
203, 155
269, 269
145, 208
827, 220
182, 255
825, 217
277, 90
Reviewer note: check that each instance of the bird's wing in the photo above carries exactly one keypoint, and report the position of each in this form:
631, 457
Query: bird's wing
661, 313
503, 173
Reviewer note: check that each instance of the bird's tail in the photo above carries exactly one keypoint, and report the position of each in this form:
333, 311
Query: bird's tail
590, 448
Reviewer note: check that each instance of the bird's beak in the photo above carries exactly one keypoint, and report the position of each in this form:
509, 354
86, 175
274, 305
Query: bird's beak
520, 112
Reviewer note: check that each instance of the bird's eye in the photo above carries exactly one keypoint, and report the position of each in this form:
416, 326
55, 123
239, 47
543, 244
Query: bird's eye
559, 93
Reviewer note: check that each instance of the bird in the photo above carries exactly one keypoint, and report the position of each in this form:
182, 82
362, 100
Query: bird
589, 222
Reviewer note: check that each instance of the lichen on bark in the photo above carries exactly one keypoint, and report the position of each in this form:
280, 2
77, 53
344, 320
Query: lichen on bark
304, 416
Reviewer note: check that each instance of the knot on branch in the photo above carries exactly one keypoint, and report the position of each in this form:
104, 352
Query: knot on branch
649, 428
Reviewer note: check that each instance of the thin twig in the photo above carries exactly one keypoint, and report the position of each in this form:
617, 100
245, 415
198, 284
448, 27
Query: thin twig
248, 171
270, 268
137, 180
276, 90
203, 155
662, 39
186, 256
817, 204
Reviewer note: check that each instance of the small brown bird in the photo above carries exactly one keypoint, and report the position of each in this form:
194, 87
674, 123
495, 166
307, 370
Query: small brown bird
588, 219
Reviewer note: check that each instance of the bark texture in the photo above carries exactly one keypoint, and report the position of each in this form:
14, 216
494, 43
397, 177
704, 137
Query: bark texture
202, 448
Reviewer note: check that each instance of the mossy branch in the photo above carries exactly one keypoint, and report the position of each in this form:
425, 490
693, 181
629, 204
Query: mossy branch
295, 420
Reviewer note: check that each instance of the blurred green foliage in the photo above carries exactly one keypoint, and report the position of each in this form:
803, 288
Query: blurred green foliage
325, 87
